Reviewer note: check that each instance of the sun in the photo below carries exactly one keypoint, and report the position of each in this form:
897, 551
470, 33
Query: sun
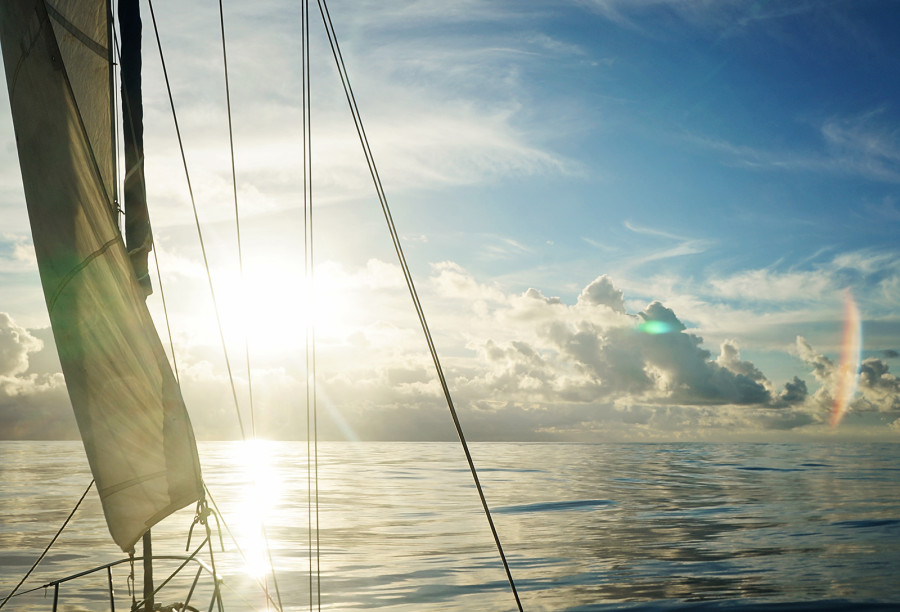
273, 308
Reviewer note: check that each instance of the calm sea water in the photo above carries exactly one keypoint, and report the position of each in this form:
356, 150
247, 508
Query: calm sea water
585, 527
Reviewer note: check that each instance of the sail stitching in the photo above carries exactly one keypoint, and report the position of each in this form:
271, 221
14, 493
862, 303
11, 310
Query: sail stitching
44, 20
25, 54
79, 34
107, 491
74, 271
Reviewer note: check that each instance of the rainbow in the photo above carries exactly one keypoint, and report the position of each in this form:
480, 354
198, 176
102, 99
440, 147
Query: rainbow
848, 369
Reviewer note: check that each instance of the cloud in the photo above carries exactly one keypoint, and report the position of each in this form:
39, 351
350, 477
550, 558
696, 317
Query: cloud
763, 306
593, 351
21, 253
862, 145
601, 292
33, 404
531, 366
879, 388
685, 246
448, 112
772, 286
723, 18
520, 365
877, 391
15, 345
795, 391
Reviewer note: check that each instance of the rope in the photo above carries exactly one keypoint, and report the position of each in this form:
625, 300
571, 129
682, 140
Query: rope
237, 216
162, 295
46, 550
187, 176
373, 171
312, 420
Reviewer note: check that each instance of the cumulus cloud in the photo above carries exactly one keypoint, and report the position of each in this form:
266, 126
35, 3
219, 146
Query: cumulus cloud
595, 352
795, 391
582, 369
877, 390
601, 292
519, 365
15, 345
21, 253
33, 402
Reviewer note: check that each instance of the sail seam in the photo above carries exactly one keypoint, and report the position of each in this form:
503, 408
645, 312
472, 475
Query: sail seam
107, 491
75, 31
26, 52
74, 271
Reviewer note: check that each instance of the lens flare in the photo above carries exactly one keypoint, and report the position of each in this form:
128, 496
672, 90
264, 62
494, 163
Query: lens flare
848, 370
655, 327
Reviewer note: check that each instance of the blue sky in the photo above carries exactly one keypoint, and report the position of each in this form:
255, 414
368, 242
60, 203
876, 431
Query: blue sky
554, 169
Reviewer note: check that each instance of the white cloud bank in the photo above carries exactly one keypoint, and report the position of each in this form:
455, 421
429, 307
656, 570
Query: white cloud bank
33, 402
520, 366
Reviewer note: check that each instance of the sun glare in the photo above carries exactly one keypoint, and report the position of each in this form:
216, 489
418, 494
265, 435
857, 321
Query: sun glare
262, 493
271, 308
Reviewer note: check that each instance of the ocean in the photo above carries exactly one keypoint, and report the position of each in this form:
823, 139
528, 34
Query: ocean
689, 526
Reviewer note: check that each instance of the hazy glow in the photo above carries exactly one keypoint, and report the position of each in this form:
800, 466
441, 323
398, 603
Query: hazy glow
848, 370
271, 307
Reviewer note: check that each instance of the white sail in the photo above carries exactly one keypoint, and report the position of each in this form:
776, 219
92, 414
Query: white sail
129, 409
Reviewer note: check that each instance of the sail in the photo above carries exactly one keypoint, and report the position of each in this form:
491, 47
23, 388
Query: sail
136, 431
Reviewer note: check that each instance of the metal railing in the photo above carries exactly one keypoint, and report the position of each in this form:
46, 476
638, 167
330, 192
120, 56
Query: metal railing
136, 606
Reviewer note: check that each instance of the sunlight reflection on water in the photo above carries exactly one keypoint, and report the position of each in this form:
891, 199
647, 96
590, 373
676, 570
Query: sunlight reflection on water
656, 525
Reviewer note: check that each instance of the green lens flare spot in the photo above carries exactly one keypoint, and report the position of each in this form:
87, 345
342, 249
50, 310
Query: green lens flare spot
655, 327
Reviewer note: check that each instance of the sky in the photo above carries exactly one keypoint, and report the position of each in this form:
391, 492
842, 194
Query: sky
627, 221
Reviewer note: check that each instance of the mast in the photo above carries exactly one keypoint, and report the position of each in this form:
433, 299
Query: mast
148, 573
138, 238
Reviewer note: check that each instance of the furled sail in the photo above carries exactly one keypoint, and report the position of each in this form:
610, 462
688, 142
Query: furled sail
137, 220
135, 428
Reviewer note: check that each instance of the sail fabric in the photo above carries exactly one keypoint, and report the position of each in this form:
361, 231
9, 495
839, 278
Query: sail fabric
81, 31
133, 422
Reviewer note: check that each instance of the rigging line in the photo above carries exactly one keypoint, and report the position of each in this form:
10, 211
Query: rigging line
237, 216
262, 526
187, 176
348, 92
304, 16
162, 295
212, 563
46, 550
309, 273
